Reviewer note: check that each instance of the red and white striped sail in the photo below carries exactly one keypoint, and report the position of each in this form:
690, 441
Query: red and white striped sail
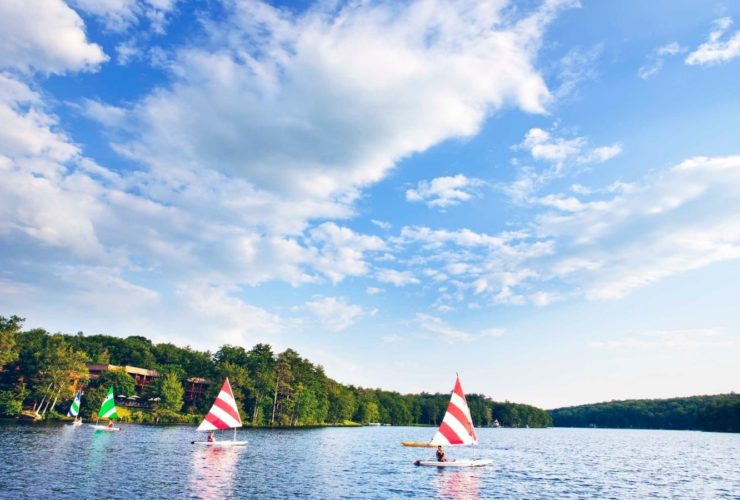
224, 413
457, 426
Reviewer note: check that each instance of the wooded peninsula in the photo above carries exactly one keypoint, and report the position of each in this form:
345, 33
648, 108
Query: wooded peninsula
720, 413
164, 383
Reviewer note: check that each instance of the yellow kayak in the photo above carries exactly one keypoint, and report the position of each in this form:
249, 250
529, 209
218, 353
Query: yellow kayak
417, 444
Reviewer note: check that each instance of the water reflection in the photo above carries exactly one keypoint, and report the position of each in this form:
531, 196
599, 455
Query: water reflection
458, 484
213, 470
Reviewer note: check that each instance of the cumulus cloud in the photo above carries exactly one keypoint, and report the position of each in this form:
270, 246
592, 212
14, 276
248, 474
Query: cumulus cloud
45, 36
313, 107
396, 278
444, 192
560, 153
335, 313
437, 326
717, 50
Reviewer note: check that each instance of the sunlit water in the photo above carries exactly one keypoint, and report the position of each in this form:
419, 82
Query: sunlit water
41, 461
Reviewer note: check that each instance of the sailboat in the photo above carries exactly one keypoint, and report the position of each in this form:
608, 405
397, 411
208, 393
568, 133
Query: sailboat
107, 410
456, 429
74, 410
223, 415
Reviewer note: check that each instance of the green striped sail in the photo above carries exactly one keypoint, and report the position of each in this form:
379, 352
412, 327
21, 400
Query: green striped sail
74, 410
108, 408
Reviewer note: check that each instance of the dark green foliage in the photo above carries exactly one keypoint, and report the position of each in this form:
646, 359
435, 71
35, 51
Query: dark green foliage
280, 390
707, 413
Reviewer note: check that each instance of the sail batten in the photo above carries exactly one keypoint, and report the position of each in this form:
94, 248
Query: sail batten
224, 413
457, 425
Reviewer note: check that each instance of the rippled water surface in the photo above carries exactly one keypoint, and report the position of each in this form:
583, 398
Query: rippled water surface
40, 461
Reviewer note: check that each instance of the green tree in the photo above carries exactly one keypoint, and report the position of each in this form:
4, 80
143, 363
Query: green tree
9, 328
169, 389
122, 382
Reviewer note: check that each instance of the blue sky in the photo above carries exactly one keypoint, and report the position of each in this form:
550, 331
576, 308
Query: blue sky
541, 196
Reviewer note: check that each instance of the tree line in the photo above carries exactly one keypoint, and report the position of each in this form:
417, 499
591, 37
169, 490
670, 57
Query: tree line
719, 413
41, 371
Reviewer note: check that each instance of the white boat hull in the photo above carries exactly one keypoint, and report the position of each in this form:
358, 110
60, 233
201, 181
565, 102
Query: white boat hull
219, 444
454, 463
105, 428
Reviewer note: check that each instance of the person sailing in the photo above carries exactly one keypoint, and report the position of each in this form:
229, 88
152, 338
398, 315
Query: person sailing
441, 454
110, 424
211, 439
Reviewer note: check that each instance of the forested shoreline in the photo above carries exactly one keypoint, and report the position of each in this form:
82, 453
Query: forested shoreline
40, 372
720, 413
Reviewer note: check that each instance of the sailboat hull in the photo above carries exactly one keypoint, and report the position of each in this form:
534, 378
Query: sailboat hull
417, 444
454, 463
105, 428
220, 444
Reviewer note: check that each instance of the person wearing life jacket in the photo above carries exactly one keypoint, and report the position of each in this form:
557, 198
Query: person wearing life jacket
441, 454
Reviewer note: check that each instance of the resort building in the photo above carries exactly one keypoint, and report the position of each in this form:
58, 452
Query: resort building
142, 377
195, 389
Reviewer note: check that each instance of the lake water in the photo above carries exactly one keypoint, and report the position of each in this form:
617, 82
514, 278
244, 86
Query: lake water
41, 461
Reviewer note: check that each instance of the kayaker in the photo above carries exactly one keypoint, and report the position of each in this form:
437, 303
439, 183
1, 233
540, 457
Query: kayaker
211, 439
441, 454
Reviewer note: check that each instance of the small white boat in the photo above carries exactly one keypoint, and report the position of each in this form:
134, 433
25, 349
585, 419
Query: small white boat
219, 444
104, 428
224, 414
456, 429
454, 463
76, 423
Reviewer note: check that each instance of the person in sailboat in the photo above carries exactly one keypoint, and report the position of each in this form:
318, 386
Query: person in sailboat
211, 439
441, 454
110, 424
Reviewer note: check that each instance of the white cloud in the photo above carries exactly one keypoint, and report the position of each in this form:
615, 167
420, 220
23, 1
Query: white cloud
373, 290
575, 68
120, 15
656, 60
396, 278
384, 225
234, 319
340, 252
543, 146
270, 98
444, 192
437, 326
45, 36
715, 50
672, 237
335, 313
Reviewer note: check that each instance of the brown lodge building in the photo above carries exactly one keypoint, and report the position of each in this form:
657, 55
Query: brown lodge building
195, 387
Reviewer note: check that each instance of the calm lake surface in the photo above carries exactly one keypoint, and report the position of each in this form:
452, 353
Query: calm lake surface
41, 461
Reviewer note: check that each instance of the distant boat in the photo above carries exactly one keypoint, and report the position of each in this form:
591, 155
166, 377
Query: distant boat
456, 429
495, 423
373, 424
223, 415
107, 410
74, 410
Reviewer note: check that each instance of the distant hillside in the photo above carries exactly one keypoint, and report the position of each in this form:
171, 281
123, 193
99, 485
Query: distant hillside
719, 413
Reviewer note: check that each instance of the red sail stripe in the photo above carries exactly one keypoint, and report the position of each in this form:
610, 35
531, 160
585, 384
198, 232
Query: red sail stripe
227, 408
227, 388
458, 414
217, 422
458, 389
449, 434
